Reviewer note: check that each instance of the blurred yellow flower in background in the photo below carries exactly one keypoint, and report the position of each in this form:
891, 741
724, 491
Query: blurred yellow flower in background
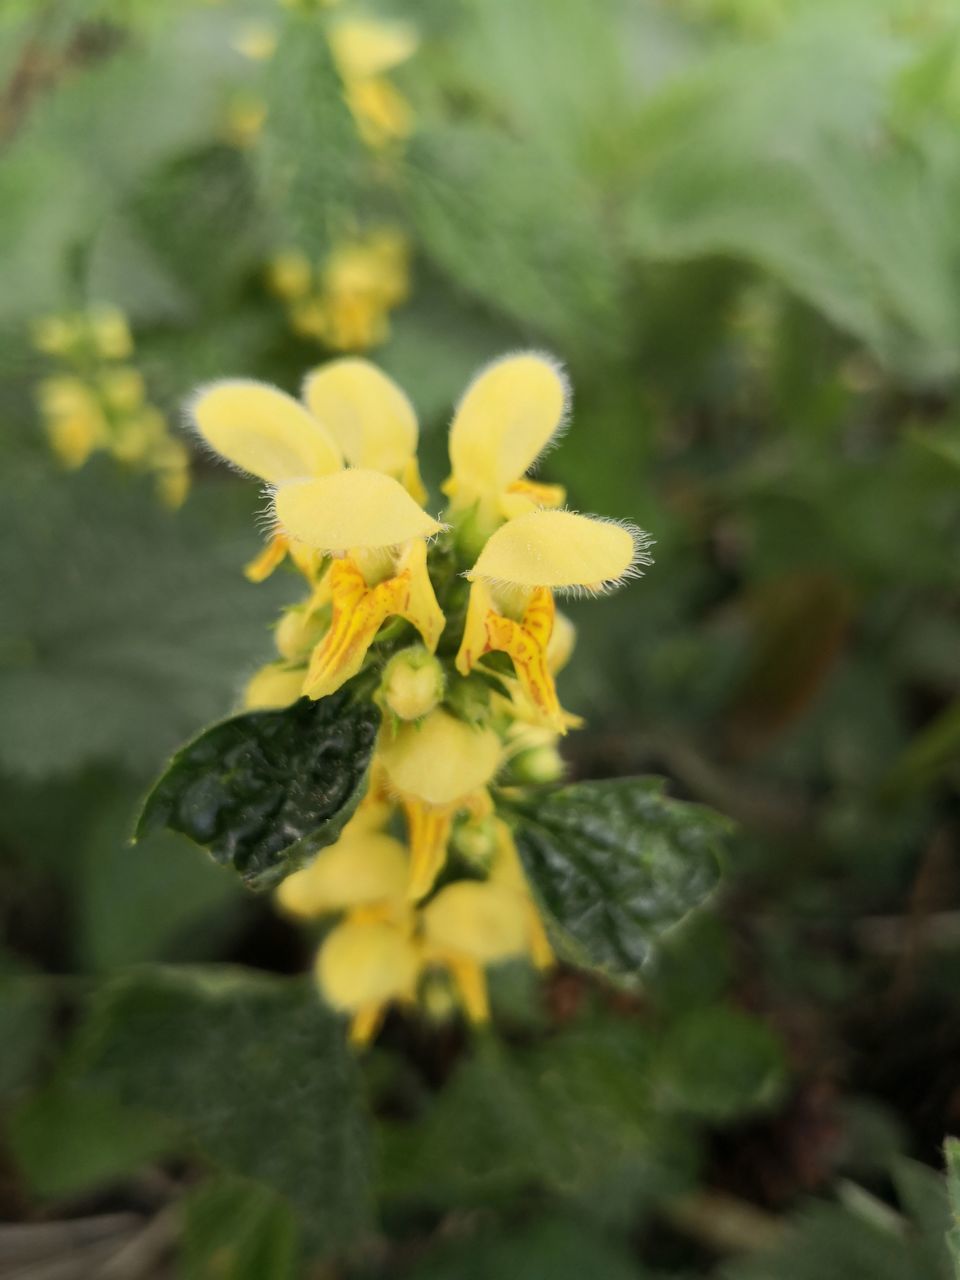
99, 403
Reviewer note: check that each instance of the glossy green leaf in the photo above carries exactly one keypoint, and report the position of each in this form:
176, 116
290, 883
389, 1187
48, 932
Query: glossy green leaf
266, 790
615, 864
254, 1071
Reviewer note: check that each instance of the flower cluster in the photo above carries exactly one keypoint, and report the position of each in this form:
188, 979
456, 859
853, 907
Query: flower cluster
98, 400
456, 625
344, 302
364, 51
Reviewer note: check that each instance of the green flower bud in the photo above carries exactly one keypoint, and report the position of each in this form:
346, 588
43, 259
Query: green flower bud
476, 842
538, 765
413, 683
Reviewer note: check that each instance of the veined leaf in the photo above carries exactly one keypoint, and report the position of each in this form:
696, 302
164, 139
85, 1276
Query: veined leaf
615, 864
255, 1072
266, 790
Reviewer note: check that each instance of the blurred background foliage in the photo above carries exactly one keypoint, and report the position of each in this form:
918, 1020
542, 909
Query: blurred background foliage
736, 222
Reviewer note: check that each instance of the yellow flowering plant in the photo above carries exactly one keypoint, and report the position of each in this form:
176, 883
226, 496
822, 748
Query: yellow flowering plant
396, 769
97, 401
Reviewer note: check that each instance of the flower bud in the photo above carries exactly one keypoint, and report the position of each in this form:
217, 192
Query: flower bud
476, 842
538, 765
299, 630
413, 683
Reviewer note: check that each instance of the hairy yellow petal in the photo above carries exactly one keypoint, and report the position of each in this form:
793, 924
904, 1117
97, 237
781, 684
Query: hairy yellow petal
263, 431
372, 420
351, 509
366, 963
359, 869
561, 549
440, 759
507, 417
482, 919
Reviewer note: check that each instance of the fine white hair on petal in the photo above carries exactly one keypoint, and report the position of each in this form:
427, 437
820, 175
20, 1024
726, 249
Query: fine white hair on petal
189, 416
498, 553
558, 367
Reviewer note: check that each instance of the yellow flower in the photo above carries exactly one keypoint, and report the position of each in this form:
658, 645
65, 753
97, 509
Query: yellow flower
290, 274
437, 768
511, 607
244, 121
274, 686
364, 50
256, 41
365, 964
364, 867
362, 281
508, 416
363, 517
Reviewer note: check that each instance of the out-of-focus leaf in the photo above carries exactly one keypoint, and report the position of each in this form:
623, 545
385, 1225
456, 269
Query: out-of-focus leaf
239, 1230
310, 156
718, 1063
26, 1007
486, 209
838, 1242
934, 750
615, 864
155, 900
66, 1141
254, 1070
951, 1151
266, 790
572, 1115
123, 624
548, 1249
200, 217
923, 1197
800, 622
87, 142
740, 157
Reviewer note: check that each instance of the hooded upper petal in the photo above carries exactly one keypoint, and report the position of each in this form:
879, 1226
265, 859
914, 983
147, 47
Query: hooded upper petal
560, 549
351, 510
364, 47
264, 431
373, 421
507, 417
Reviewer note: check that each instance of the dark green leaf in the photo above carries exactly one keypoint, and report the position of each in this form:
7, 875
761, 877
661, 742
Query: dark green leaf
239, 1230
549, 1249
66, 1141
254, 1070
266, 790
574, 1115
615, 864
25, 1012
718, 1063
